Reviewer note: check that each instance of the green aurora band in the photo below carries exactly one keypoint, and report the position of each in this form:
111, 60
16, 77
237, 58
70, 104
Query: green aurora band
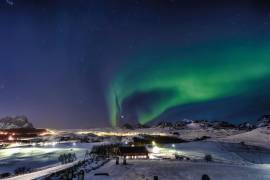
195, 74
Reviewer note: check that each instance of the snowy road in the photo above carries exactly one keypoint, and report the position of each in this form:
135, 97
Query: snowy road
38, 157
44, 172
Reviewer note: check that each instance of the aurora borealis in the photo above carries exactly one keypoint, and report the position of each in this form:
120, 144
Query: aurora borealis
208, 73
82, 64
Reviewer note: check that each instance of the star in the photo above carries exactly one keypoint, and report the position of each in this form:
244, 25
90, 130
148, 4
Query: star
2, 86
9, 2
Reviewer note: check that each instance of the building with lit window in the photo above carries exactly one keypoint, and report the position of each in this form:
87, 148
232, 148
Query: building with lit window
133, 152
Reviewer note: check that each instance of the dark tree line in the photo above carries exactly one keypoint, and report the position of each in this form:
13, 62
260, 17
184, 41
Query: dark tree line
106, 150
67, 158
21, 170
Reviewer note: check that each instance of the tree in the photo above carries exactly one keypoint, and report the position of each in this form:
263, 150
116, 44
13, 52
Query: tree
208, 157
128, 126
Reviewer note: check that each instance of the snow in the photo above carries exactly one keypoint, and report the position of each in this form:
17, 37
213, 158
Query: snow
43, 172
227, 158
221, 152
170, 170
258, 137
194, 125
241, 163
192, 131
251, 161
15, 122
37, 157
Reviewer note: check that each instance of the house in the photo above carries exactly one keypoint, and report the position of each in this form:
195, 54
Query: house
133, 152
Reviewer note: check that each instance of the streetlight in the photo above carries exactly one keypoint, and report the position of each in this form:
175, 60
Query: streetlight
156, 149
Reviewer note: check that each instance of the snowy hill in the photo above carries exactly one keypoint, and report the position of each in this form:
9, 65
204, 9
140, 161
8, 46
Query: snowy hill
197, 124
246, 126
264, 121
15, 123
257, 137
175, 170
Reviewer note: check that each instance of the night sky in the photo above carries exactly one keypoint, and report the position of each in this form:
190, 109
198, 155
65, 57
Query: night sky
86, 64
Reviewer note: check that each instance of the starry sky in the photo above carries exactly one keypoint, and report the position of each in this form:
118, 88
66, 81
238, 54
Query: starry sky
97, 63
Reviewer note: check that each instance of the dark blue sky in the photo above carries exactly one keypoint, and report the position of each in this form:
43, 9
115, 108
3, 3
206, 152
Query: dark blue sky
58, 59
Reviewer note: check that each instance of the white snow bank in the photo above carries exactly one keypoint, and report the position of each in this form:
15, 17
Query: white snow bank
44, 172
175, 170
257, 137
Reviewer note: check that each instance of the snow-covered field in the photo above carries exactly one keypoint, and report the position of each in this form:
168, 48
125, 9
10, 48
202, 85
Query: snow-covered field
170, 170
248, 160
43, 172
257, 137
191, 132
230, 162
221, 152
37, 157
227, 158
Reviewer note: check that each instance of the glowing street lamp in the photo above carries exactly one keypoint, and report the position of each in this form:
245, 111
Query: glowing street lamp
156, 150
10, 138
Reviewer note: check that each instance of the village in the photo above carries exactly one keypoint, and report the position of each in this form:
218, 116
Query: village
120, 153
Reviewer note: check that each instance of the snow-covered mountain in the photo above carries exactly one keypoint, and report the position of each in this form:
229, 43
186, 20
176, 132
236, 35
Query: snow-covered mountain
197, 124
264, 121
258, 137
15, 123
246, 126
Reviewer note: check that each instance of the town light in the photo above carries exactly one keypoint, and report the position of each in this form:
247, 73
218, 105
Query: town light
10, 138
156, 149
